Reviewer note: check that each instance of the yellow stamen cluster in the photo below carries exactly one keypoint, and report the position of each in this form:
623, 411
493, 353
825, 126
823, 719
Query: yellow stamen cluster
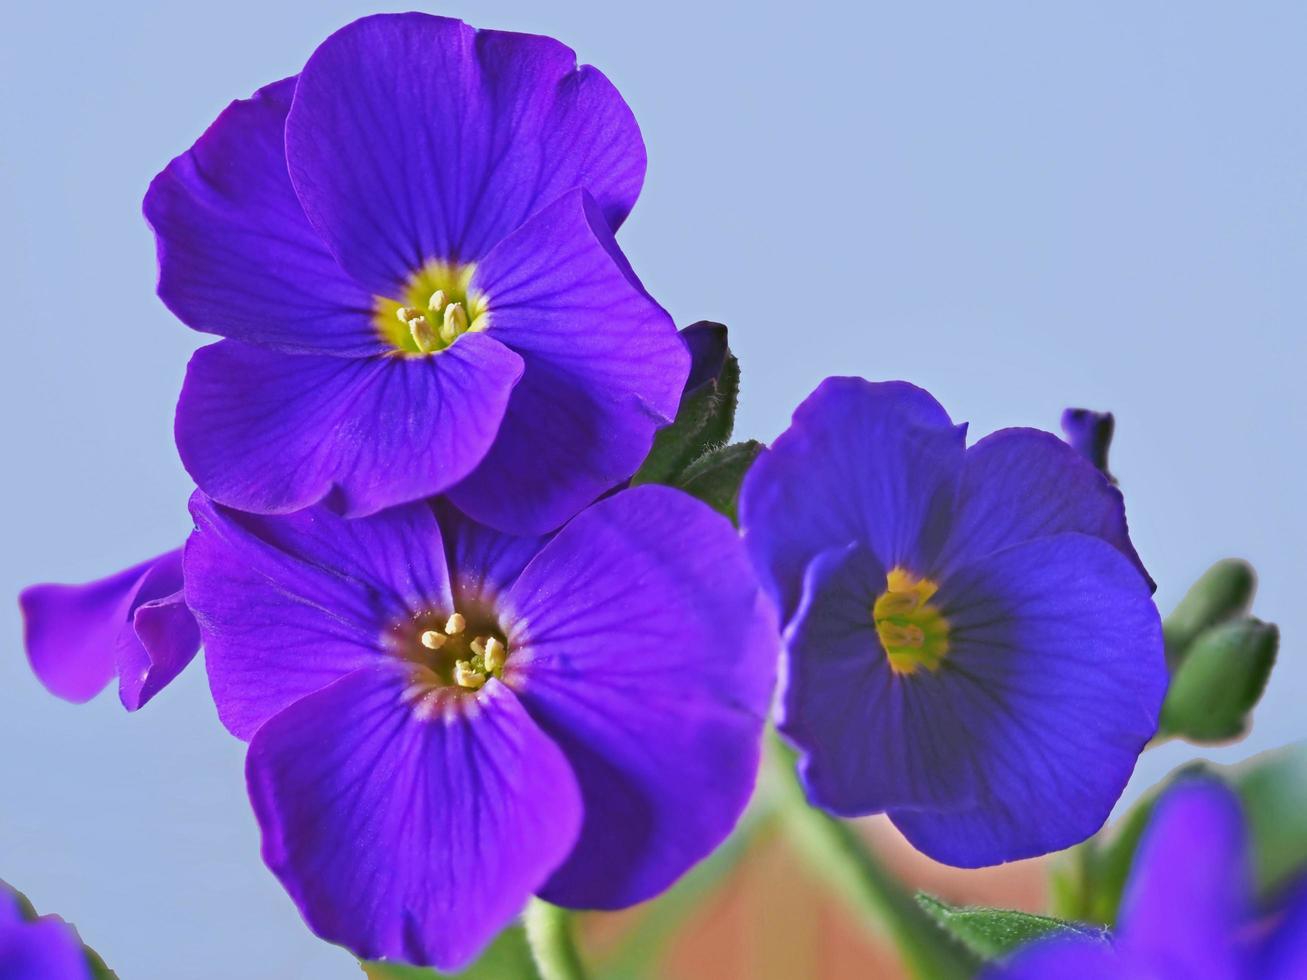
437, 308
913, 633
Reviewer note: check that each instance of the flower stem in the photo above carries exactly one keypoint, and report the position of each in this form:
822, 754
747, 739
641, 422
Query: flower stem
549, 934
836, 853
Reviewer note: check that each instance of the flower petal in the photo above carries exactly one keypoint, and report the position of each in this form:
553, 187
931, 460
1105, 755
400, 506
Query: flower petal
1053, 683
1284, 954
1021, 484
289, 604
604, 369
79, 636
271, 433
1066, 959
639, 642
870, 740
1190, 886
483, 562
237, 256
407, 830
873, 463
415, 138
47, 948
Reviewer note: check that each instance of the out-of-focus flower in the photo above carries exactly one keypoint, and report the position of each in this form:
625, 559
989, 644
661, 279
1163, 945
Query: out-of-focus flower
444, 720
971, 642
1187, 912
38, 947
133, 624
409, 247
1090, 434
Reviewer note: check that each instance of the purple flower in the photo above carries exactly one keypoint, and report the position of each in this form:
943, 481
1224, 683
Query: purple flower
444, 720
1187, 911
41, 948
134, 624
409, 247
972, 646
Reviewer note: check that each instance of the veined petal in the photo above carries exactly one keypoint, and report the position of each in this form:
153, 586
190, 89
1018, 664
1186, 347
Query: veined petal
415, 138
1054, 678
872, 463
1021, 484
237, 256
869, 740
410, 830
640, 644
272, 433
483, 562
131, 623
1190, 886
289, 604
604, 369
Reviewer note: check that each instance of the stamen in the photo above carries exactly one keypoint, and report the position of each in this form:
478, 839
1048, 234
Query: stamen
425, 337
494, 655
406, 313
465, 675
895, 635
455, 624
898, 603
454, 324
432, 640
478, 646
437, 301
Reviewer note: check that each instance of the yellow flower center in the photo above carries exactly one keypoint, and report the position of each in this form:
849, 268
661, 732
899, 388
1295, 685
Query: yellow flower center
450, 651
438, 306
913, 632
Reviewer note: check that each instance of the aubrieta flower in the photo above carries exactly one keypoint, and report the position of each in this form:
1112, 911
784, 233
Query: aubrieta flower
444, 720
133, 624
971, 642
37, 947
409, 247
1187, 912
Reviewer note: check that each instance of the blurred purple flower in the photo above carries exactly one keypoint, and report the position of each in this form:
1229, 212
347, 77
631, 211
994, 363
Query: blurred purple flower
133, 624
1187, 912
409, 247
41, 948
444, 720
972, 644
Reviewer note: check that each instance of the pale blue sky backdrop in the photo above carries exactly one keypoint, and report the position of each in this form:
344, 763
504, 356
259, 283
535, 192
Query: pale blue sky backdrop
1020, 206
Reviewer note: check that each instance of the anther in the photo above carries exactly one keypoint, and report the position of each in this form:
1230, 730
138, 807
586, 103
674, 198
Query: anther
406, 313
899, 603
478, 646
465, 675
895, 635
423, 336
494, 655
437, 301
455, 322
455, 624
432, 640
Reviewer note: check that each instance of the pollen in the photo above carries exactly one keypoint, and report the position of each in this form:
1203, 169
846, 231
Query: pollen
455, 624
434, 308
913, 633
432, 640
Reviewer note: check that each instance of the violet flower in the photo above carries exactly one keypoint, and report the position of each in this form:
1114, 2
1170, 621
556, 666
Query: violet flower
133, 625
444, 720
409, 247
38, 948
1187, 911
972, 646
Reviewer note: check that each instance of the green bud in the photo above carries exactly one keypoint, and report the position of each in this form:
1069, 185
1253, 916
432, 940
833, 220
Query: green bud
1219, 681
1224, 592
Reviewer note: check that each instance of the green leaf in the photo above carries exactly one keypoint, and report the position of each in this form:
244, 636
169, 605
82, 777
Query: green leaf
1272, 787
1224, 592
992, 933
703, 422
508, 956
715, 477
1219, 681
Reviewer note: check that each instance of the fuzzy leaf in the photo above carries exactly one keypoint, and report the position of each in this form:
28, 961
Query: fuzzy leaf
992, 933
715, 477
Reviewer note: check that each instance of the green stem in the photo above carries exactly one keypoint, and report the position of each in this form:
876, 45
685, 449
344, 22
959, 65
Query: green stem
837, 853
549, 934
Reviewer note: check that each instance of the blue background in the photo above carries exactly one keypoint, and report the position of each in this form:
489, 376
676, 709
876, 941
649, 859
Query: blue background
1018, 207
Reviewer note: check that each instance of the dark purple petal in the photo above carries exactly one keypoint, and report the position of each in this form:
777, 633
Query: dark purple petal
132, 624
1090, 434
410, 829
869, 739
873, 463
483, 562
1052, 686
639, 642
272, 433
287, 605
1190, 886
415, 138
707, 344
604, 369
237, 256
1021, 484
47, 948
1067, 959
